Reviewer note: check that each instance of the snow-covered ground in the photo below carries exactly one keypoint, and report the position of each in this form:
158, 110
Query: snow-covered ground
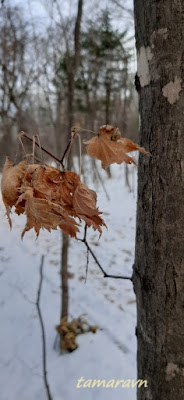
108, 354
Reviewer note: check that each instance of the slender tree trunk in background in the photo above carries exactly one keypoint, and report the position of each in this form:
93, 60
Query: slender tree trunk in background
58, 133
64, 275
125, 110
107, 117
125, 100
95, 100
159, 267
107, 104
72, 68
6, 137
70, 106
65, 238
127, 181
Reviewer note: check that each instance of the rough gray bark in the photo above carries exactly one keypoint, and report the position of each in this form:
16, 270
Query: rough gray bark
159, 268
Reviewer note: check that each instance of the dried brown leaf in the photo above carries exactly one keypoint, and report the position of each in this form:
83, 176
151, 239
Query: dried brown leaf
12, 178
84, 202
50, 198
110, 147
129, 146
42, 213
54, 185
66, 190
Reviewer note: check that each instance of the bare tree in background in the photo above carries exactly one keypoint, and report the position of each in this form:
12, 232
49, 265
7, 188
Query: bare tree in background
17, 74
71, 61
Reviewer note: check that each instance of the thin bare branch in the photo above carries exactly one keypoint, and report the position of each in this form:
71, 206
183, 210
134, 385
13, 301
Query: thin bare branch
69, 145
49, 396
22, 134
101, 181
105, 274
87, 258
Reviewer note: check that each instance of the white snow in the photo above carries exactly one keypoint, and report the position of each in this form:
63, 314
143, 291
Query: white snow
108, 354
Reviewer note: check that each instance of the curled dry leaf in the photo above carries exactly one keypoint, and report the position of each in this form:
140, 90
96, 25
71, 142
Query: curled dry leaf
50, 198
12, 178
52, 184
110, 147
84, 202
42, 213
37, 177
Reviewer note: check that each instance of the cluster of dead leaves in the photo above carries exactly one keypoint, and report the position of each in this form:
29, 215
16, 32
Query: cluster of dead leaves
49, 198
110, 147
68, 332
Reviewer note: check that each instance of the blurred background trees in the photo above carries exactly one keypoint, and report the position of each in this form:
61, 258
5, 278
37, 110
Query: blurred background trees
68, 65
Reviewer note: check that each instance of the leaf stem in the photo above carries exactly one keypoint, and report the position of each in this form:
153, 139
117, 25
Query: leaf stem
22, 134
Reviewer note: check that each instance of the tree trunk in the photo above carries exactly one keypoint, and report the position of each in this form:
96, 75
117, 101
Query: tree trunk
6, 141
107, 116
72, 68
107, 103
70, 105
64, 275
60, 141
159, 268
127, 181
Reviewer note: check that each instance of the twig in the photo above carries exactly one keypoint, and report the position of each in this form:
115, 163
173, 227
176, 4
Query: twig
87, 259
80, 154
49, 396
20, 141
69, 145
84, 240
86, 130
22, 134
87, 265
101, 181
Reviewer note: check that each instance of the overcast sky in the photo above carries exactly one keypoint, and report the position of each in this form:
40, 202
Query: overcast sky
38, 11
40, 8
